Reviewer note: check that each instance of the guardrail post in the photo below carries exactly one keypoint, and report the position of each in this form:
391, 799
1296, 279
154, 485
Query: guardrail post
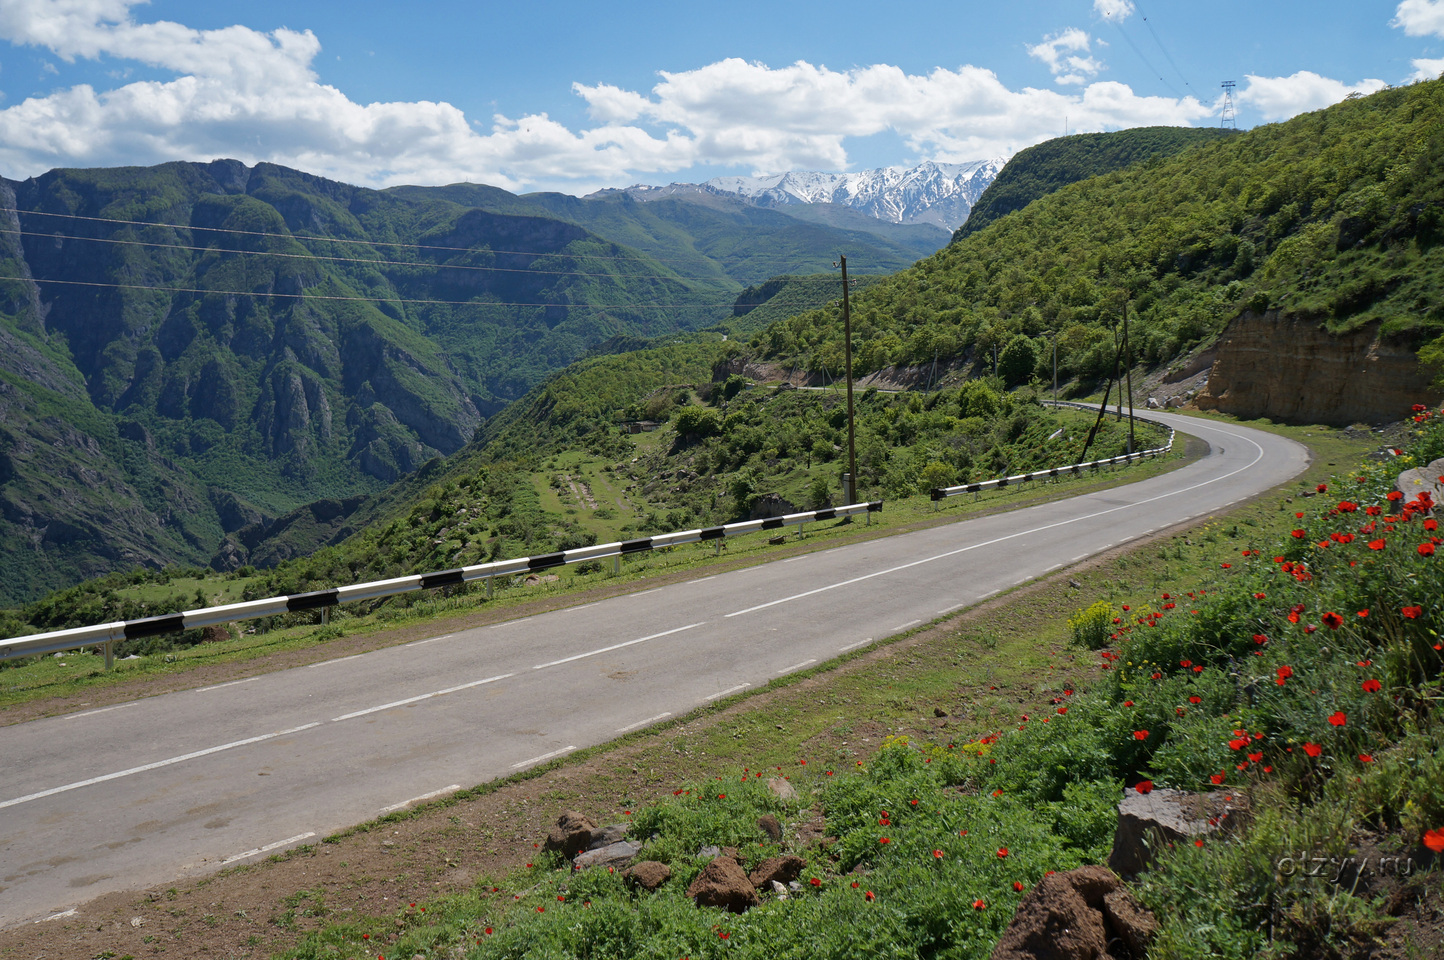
489, 582
325, 616
109, 656
616, 570
717, 548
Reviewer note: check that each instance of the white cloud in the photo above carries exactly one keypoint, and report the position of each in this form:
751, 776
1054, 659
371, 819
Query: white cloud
1279, 98
1111, 9
1067, 69
1420, 18
1427, 69
238, 92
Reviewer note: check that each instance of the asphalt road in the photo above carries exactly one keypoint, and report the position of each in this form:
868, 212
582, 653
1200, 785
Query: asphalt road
156, 790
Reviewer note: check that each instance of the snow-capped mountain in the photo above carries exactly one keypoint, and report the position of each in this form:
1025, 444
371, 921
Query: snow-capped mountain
937, 193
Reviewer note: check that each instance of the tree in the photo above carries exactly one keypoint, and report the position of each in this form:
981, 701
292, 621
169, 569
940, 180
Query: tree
1018, 360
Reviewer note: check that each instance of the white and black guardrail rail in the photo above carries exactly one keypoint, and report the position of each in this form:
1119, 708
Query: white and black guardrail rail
108, 633
1075, 469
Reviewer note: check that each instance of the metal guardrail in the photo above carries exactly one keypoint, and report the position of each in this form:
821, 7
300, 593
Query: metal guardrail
107, 634
1075, 469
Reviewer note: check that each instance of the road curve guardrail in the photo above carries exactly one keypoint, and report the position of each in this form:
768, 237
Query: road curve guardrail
1074, 469
106, 634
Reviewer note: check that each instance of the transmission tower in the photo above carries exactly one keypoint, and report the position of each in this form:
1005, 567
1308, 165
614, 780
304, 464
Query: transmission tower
1229, 114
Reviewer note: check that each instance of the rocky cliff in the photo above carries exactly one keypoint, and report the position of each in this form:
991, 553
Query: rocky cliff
1295, 371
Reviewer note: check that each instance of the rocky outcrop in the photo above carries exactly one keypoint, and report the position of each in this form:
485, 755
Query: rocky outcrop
1295, 371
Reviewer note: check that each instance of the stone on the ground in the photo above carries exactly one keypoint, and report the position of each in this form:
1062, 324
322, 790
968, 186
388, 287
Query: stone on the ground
782, 869
781, 788
1075, 916
770, 825
723, 884
1148, 821
571, 835
649, 874
612, 855
609, 835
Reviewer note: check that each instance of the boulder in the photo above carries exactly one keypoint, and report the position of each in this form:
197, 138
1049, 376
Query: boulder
770, 825
1078, 915
571, 835
1148, 821
723, 884
781, 788
649, 874
616, 854
608, 835
783, 869
1421, 480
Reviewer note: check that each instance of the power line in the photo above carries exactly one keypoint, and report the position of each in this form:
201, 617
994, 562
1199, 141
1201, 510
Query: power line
600, 308
1151, 68
1149, 24
365, 242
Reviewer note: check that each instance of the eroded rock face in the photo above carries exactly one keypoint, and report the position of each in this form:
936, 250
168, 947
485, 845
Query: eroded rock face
1295, 371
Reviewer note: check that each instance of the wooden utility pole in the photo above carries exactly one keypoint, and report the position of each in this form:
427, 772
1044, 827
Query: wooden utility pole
850, 494
1128, 368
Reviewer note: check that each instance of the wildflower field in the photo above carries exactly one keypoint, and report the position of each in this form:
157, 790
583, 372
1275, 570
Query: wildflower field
1303, 676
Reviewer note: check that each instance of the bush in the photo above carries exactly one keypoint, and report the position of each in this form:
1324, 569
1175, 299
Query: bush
1092, 627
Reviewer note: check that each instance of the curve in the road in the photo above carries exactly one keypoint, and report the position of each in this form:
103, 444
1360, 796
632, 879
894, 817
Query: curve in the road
171, 786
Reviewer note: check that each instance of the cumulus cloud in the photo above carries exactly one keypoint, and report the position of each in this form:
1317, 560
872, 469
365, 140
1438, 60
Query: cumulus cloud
251, 95
1060, 51
1113, 9
1425, 69
1420, 18
1278, 98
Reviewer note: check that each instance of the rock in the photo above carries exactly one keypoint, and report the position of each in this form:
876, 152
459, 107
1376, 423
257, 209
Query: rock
609, 835
1148, 821
571, 835
1129, 920
1421, 480
769, 825
723, 884
612, 855
731, 852
709, 853
1173, 403
781, 788
1056, 922
779, 891
771, 505
216, 633
939, 712
783, 869
649, 874
1153, 403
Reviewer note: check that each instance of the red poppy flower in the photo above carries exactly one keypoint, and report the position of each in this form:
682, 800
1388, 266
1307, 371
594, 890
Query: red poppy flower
1178, 710
1140, 734
1284, 673
869, 896
979, 905
1371, 686
1434, 839
1332, 620
1376, 544
1347, 506
1218, 778
1365, 758
1413, 613
1394, 496
1299, 534
815, 882
1338, 718
1322, 488
1431, 524
1062, 709
1144, 786
1426, 549
1195, 699
883, 840
1156, 676
1313, 749
1002, 852
1018, 886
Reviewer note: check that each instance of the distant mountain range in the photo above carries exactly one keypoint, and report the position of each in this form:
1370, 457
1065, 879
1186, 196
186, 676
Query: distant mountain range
940, 194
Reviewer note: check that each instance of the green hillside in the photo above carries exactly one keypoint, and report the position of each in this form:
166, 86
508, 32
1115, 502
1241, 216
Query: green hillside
1333, 216
1040, 170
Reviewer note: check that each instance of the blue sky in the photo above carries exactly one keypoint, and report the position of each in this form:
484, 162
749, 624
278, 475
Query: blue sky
577, 96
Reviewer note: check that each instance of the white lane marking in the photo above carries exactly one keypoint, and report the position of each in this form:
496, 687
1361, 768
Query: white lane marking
956, 606
1003, 539
220, 685
498, 626
906, 625
987, 595
425, 796
617, 646
60, 915
91, 713
1077, 558
716, 696
269, 847
420, 697
790, 559
594, 603
853, 646
154, 766
796, 666
545, 756
1053, 567
327, 663
643, 723
704, 579
444, 636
